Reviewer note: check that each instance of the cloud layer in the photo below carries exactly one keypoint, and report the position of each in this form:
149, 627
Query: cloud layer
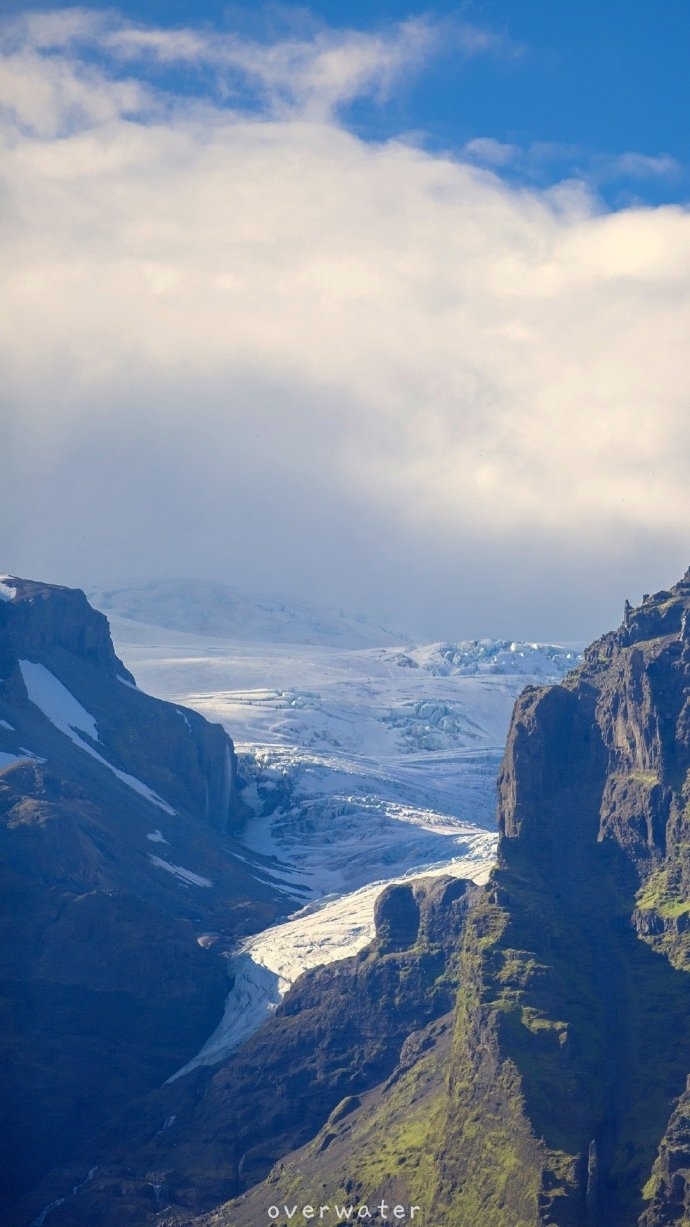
240, 340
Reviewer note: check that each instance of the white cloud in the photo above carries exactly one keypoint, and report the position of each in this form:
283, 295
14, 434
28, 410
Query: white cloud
53, 31
633, 165
490, 152
533, 159
313, 76
212, 318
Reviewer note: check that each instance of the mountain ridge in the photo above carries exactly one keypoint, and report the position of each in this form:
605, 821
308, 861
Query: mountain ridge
219, 610
561, 1096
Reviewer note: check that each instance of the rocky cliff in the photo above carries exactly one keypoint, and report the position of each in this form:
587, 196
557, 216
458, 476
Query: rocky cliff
577, 997
118, 816
576, 1004
341, 1030
561, 1096
190, 762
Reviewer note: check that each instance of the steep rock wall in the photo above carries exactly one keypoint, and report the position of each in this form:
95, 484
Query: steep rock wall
562, 1098
576, 1007
188, 761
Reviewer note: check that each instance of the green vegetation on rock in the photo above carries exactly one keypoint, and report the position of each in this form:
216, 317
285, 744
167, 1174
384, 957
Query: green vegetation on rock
571, 1034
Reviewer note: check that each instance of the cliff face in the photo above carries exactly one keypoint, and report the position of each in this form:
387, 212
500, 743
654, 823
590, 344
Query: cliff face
576, 1008
40, 619
562, 1096
117, 821
190, 762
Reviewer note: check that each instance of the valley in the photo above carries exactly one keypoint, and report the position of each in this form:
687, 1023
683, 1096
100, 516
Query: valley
362, 767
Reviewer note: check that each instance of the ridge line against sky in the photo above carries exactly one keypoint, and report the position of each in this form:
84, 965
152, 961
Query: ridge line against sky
276, 314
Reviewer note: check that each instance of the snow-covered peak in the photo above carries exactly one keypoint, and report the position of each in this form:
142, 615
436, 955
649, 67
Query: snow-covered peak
7, 590
208, 608
471, 657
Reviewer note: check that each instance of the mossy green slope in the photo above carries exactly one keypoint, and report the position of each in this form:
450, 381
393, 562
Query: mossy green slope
573, 1019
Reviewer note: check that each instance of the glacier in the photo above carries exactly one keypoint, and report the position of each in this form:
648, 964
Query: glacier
361, 766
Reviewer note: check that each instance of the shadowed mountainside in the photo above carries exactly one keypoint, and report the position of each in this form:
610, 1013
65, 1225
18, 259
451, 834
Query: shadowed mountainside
339, 1032
118, 823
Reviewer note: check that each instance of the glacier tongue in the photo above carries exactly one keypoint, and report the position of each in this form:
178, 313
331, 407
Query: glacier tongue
361, 767
267, 965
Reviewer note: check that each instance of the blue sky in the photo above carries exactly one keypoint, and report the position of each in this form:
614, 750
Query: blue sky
573, 88
383, 307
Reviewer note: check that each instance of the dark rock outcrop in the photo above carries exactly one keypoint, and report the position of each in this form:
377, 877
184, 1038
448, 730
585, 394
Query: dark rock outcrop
189, 762
396, 915
42, 619
578, 955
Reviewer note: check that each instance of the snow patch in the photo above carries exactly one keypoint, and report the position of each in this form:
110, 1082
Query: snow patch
184, 875
7, 592
24, 756
5, 725
156, 837
138, 786
69, 717
126, 682
56, 702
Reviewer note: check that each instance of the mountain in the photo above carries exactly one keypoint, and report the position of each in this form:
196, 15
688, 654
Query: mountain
559, 1091
355, 746
215, 609
119, 855
157, 1069
342, 1031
